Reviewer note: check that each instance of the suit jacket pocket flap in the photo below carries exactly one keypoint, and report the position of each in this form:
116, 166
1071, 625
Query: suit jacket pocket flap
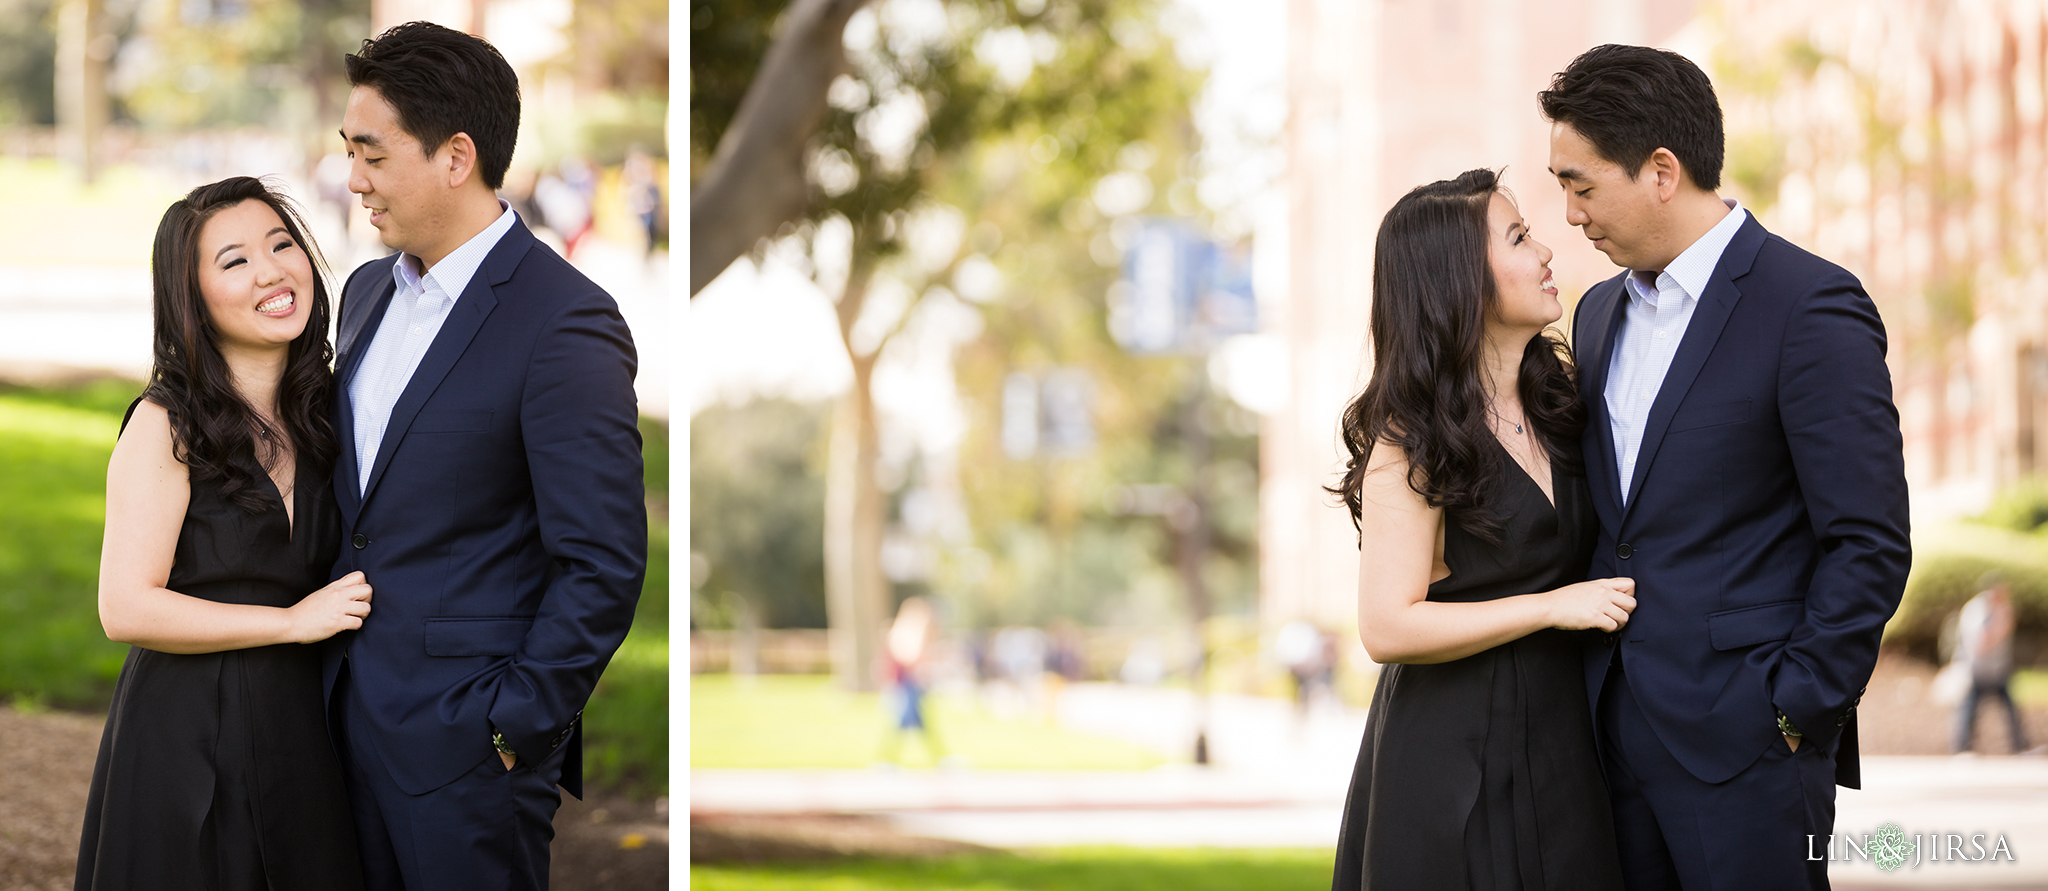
1751, 625
476, 637
451, 422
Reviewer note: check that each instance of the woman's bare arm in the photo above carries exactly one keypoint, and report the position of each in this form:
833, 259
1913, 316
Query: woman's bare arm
1400, 550
148, 490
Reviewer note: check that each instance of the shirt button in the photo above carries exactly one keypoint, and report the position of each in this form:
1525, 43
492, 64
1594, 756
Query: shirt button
417, 329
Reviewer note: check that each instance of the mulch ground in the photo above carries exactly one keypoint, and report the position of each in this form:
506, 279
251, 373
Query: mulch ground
606, 842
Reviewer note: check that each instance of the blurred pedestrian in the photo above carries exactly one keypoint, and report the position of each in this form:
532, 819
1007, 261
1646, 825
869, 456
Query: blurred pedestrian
1984, 648
642, 190
1145, 664
330, 183
1299, 647
1020, 663
564, 204
903, 668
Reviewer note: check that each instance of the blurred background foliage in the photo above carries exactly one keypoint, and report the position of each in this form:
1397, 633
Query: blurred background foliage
199, 63
757, 514
28, 63
980, 174
597, 89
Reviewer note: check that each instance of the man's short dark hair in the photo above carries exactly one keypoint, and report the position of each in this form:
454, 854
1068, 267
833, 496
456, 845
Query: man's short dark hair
1628, 101
443, 82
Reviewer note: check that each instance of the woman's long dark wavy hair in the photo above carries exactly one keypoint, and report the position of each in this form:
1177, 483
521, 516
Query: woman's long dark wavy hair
1432, 291
215, 432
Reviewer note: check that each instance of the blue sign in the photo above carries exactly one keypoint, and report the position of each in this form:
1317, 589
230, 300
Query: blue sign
1181, 292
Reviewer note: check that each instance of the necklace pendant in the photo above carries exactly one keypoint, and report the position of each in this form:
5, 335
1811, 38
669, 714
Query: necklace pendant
1518, 429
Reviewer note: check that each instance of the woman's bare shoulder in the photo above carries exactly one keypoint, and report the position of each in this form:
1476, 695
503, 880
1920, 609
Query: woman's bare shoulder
146, 440
1389, 477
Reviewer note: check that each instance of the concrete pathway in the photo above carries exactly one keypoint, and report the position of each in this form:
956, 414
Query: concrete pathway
1279, 781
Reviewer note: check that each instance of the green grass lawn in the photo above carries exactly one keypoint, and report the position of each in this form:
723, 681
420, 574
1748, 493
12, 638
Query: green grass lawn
54, 445
804, 721
53, 478
1057, 869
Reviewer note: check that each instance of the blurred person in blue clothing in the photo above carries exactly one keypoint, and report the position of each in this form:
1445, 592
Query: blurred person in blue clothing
903, 668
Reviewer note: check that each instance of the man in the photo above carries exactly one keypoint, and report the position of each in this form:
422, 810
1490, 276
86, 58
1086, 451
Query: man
1744, 456
489, 481
1984, 645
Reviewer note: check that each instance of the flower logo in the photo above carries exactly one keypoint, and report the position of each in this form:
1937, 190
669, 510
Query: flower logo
1890, 848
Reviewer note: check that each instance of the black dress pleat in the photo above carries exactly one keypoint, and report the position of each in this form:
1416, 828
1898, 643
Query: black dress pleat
1480, 773
215, 771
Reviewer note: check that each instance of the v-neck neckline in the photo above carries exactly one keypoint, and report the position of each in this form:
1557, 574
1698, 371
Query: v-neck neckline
291, 512
1550, 497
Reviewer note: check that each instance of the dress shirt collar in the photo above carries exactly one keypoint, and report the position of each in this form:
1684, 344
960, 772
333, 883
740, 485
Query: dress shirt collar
453, 273
1694, 268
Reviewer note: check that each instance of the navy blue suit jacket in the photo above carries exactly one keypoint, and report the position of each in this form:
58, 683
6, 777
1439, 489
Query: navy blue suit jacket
1766, 527
504, 531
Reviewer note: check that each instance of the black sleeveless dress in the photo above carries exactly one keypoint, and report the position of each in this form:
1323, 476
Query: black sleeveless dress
215, 771
1481, 773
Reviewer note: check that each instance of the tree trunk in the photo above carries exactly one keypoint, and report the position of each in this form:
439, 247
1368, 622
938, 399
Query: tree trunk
756, 178
83, 48
856, 593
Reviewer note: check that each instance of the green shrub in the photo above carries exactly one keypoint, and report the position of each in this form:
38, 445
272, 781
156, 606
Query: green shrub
1948, 562
2021, 505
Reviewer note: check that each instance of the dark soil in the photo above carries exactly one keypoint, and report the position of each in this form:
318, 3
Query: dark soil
606, 842
732, 838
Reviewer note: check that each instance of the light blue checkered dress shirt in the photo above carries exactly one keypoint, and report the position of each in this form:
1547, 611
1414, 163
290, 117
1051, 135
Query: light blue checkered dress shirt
1660, 306
418, 308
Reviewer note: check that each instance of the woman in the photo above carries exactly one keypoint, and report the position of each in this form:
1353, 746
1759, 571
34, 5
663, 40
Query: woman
1475, 531
215, 770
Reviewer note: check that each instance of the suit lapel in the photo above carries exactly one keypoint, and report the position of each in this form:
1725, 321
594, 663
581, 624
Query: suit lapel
346, 493
1708, 320
1604, 303
359, 313
355, 319
464, 319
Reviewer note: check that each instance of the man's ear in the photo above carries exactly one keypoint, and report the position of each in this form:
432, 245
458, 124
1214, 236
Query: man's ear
1668, 172
462, 159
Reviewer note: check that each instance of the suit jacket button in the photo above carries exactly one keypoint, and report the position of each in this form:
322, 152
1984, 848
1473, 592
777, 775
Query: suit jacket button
1622, 550
359, 541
